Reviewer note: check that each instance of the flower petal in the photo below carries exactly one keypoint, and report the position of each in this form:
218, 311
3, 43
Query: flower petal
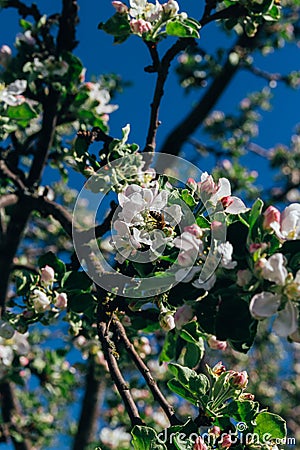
264, 305
286, 321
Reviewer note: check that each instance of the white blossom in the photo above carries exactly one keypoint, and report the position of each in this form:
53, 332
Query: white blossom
220, 192
98, 94
10, 94
189, 246
274, 269
267, 304
225, 251
40, 301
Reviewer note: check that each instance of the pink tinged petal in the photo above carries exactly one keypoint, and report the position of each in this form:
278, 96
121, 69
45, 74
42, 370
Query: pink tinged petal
224, 188
286, 321
236, 206
264, 305
271, 215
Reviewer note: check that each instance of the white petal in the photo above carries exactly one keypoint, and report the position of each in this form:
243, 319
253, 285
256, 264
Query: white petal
207, 285
236, 207
264, 305
224, 189
286, 321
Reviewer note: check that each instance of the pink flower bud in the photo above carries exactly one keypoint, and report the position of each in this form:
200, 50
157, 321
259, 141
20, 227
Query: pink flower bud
5, 56
215, 430
119, 7
226, 441
61, 300
208, 186
47, 275
24, 361
191, 183
226, 201
199, 444
140, 26
215, 344
255, 247
183, 315
194, 229
247, 396
219, 368
239, 379
271, 215
167, 322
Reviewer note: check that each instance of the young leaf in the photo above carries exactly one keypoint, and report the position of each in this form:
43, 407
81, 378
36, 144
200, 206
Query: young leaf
142, 437
272, 424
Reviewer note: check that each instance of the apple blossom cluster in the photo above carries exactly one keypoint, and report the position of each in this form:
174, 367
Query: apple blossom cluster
145, 17
11, 95
42, 297
278, 284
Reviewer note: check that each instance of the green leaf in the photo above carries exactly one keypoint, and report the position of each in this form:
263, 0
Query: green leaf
195, 383
169, 348
180, 390
255, 212
188, 198
271, 424
180, 29
202, 222
22, 113
142, 437
80, 303
76, 281
25, 24
192, 355
118, 26
51, 260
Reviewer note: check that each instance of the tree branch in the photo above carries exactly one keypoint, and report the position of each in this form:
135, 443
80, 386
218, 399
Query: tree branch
117, 376
5, 170
89, 413
194, 119
163, 71
46, 137
8, 200
145, 372
66, 39
10, 408
25, 10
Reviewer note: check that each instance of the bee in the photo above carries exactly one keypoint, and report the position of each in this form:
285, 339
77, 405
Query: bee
159, 218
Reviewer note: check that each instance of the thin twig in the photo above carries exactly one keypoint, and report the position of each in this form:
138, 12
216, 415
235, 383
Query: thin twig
194, 119
145, 372
163, 71
117, 376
